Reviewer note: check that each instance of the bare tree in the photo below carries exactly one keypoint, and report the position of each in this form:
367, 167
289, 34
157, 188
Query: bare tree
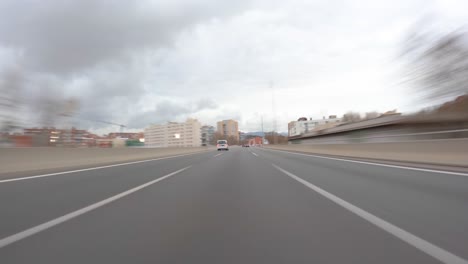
232, 140
280, 139
372, 115
438, 63
216, 136
351, 117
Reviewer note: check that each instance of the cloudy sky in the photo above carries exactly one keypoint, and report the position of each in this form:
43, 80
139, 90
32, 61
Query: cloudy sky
143, 62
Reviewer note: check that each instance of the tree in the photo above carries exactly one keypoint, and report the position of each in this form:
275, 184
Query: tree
232, 140
372, 115
438, 63
216, 136
351, 117
280, 139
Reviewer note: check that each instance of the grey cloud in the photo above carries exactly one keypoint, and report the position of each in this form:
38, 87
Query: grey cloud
205, 103
11, 81
97, 51
170, 111
65, 36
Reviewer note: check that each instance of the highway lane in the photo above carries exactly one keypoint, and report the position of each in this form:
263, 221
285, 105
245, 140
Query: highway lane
431, 205
233, 207
26, 203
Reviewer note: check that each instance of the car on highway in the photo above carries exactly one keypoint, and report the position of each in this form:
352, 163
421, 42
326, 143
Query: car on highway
222, 145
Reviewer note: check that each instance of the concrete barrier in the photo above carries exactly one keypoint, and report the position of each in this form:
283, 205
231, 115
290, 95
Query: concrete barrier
450, 152
29, 159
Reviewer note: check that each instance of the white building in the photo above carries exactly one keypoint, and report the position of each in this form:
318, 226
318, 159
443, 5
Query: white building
174, 134
304, 126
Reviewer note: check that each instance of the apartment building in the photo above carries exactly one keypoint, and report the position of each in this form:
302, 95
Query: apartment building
51, 136
173, 134
228, 128
304, 126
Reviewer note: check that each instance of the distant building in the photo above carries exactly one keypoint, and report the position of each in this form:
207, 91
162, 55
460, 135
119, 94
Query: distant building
256, 141
304, 126
173, 134
127, 135
207, 134
245, 136
291, 128
228, 128
50, 136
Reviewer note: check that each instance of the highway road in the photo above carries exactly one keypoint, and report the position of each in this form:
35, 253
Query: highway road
246, 205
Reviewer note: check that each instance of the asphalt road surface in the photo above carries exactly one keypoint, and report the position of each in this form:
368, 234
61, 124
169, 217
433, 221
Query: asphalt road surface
246, 205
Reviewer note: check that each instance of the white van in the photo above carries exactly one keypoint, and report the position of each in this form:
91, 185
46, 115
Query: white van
222, 145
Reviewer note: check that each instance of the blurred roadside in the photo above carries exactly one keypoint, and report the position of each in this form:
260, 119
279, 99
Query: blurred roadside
448, 121
450, 152
433, 137
51, 159
54, 137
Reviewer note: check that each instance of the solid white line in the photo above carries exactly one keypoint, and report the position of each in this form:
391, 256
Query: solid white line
376, 164
218, 155
34, 230
93, 168
419, 243
255, 154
